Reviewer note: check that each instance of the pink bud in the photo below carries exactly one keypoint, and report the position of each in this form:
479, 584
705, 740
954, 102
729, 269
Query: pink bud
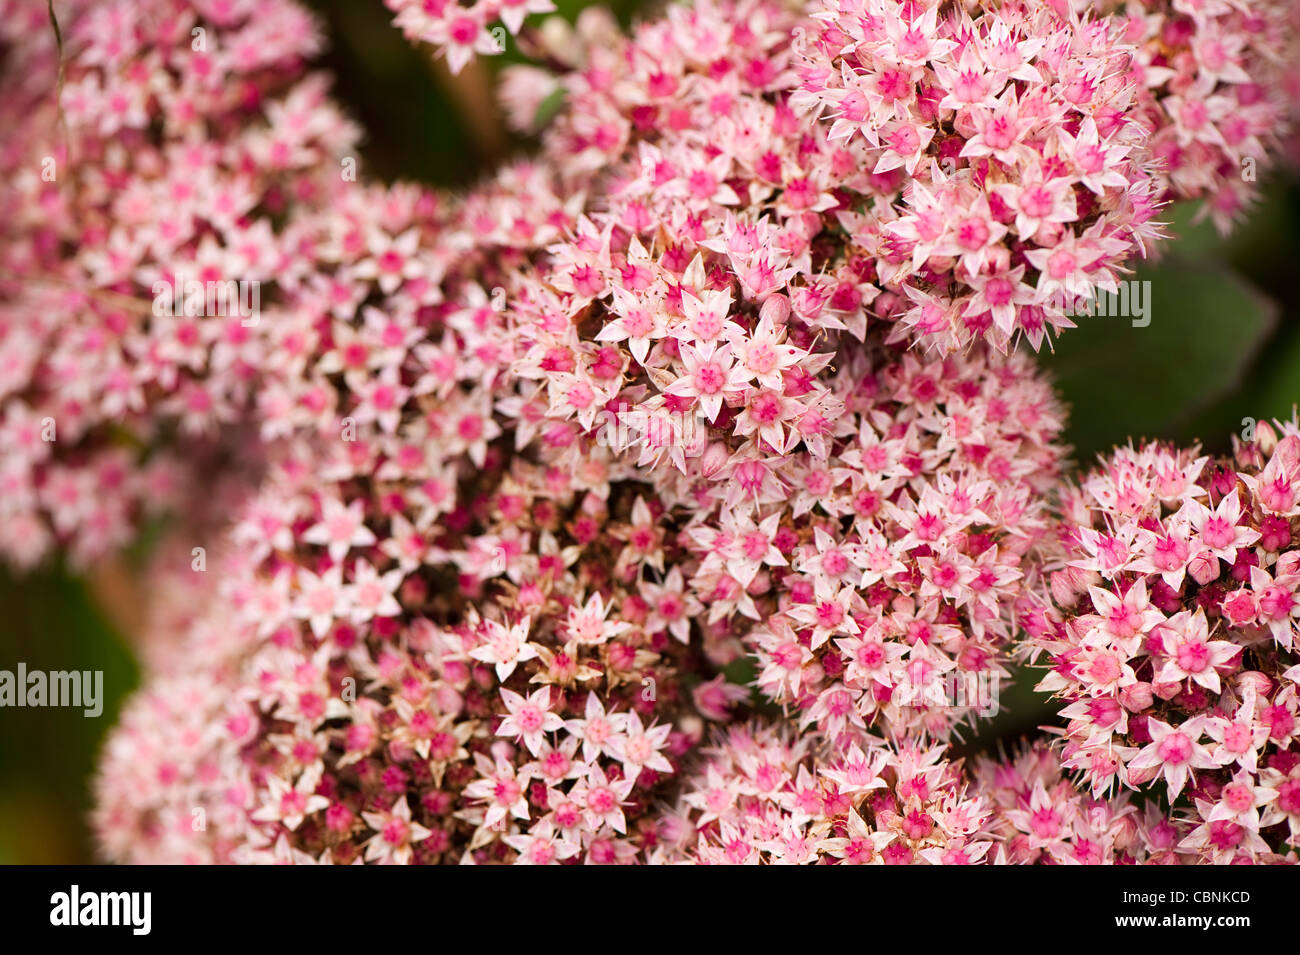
775, 308
715, 457
1067, 587
1167, 691
455, 671
1136, 697
813, 673
1138, 777
531, 598
1253, 680
1124, 831
1265, 437
1204, 568
400, 751
446, 699
1288, 452
1288, 565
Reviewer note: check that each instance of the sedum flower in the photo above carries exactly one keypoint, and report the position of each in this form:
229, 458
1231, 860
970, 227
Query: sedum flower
1173, 639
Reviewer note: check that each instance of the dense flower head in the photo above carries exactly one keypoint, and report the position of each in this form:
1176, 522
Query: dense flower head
1217, 90
1174, 646
414, 615
1040, 818
887, 596
966, 172
1001, 138
480, 576
358, 685
463, 30
429, 635
691, 327
763, 796
161, 143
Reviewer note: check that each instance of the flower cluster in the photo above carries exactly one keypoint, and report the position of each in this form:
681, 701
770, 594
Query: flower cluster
156, 163
1217, 88
1040, 818
461, 31
971, 172
1175, 643
355, 687
891, 571
1002, 143
521, 473
706, 324
762, 796
434, 632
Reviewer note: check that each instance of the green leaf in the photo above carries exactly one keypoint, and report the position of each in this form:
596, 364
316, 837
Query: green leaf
1207, 326
741, 671
1277, 391
47, 755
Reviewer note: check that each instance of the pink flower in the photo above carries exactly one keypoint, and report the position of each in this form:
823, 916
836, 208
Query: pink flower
291, 804
395, 832
321, 599
505, 647
502, 787
1190, 654
1173, 753
372, 595
542, 845
528, 719
341, 528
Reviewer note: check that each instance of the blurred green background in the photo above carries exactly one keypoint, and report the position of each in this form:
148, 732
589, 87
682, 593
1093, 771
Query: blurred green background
1223, 345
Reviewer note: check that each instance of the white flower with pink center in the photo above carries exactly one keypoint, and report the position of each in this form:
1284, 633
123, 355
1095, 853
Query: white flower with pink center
528, 719
1175, 753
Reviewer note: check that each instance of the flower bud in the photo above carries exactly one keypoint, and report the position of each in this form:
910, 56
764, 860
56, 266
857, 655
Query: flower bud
1136, 697
775, 309
715, 458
